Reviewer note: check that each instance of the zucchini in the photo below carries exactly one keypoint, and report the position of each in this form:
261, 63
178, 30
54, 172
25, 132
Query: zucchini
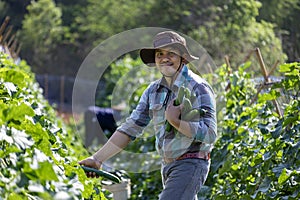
194, 114
101, 173
180, 96
168, 126
191, 115
187, 106
193, 98
187, 93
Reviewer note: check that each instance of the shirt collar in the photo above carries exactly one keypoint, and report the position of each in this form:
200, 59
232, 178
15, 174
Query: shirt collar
180, 79
182, 76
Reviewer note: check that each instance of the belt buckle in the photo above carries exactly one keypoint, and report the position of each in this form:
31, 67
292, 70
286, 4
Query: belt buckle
208, 156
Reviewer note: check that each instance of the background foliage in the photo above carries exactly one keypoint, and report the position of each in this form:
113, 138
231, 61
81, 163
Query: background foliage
257, 155
71, 29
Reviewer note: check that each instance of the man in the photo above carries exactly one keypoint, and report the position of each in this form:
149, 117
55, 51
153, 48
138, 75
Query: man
185, 149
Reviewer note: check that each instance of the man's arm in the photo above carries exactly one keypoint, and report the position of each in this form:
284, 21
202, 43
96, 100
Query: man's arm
134, 125
116, 143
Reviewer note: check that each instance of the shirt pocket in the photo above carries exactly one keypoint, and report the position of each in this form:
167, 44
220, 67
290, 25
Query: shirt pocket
158, 114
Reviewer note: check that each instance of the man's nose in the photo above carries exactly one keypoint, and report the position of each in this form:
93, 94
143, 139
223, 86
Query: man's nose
165, 57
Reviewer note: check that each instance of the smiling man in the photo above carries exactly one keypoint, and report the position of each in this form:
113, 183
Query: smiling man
184, 149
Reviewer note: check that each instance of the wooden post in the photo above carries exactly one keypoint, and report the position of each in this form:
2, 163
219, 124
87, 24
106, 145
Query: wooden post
11, 39
266, 77
6, 50
46, 82
10, 46
273, 68
13, 46
262, 64
3, 26
18, 49
12, 49
7, 33
62, 92
228, 71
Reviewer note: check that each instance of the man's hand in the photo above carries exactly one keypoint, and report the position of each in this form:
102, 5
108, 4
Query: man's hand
172, 113
93, 163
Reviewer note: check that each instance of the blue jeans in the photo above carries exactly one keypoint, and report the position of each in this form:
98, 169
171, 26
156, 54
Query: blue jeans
182, 179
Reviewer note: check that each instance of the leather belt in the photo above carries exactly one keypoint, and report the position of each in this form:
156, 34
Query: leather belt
199, 155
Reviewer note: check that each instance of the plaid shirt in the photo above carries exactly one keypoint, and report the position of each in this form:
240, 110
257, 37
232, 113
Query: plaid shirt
152, 106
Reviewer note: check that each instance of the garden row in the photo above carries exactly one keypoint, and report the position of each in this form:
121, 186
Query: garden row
38, 153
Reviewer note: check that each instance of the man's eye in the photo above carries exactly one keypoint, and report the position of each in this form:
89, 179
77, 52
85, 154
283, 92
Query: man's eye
158, 54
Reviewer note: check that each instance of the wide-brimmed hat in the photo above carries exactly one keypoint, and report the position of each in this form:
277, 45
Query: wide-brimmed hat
164, 39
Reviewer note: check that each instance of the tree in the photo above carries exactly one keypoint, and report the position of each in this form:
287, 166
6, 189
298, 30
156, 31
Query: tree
103, 19
3, 8
15, 10
283, 15
234, 31
184, 15
41, 32
275, 12
222, 27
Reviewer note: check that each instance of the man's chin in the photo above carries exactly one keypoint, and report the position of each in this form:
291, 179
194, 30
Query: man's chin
168, 74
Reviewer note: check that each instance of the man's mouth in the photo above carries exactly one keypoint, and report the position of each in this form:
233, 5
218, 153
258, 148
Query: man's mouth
166, 65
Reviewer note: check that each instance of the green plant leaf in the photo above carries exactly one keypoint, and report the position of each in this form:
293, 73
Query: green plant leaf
285, 68
15, 196
265, 185
18, 112
284, 176
17, 77
46, 172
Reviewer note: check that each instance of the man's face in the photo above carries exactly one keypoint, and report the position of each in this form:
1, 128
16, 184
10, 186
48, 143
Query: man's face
167, 60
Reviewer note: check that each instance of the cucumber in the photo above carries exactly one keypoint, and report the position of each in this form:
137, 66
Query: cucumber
192, 115
180, 96
168, 126
187, 106
176, 102
187, 93
101, 173
193, 98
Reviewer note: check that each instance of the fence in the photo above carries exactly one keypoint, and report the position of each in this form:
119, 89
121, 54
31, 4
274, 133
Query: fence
58, 89
8, 42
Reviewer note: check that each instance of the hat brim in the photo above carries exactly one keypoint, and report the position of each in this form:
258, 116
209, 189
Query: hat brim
148, 54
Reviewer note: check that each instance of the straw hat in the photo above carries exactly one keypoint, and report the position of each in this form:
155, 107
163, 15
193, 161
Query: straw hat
164, 39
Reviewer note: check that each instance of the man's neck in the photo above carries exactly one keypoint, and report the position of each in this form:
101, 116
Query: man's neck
170, 80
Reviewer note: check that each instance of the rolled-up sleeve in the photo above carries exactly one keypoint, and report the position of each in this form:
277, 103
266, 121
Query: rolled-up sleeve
138, 119
205, 130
